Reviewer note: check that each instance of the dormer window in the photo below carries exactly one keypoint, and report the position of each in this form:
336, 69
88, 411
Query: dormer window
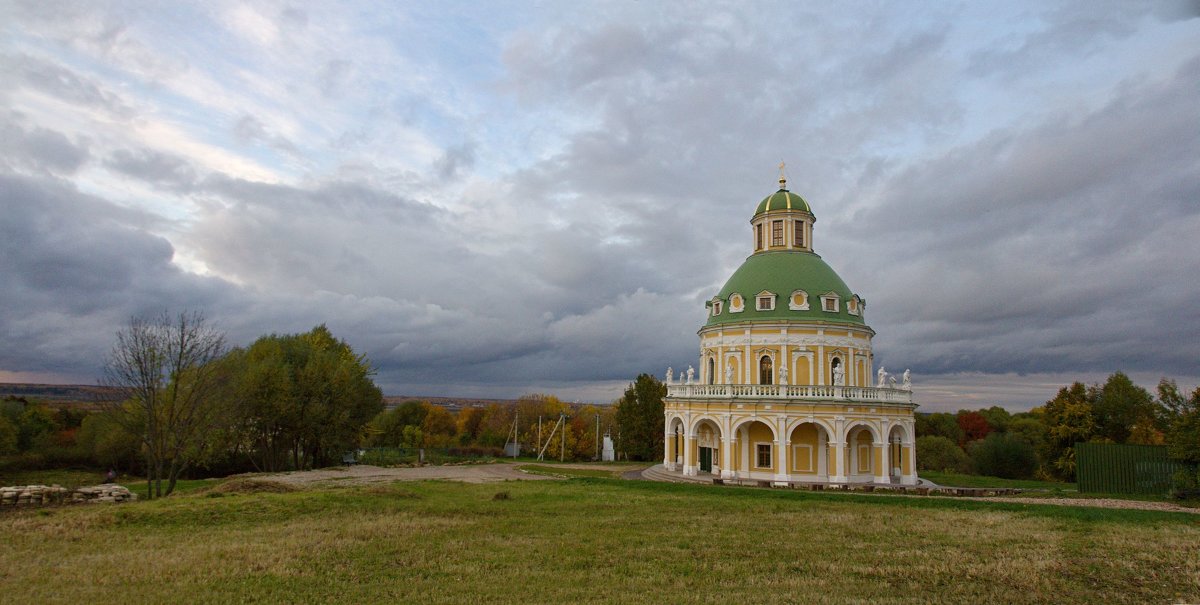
830, 303
798, 301
716, 308
736, 304
765, 301
853, 305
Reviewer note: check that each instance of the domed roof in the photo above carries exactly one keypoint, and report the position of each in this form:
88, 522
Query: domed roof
782, 200
782, 273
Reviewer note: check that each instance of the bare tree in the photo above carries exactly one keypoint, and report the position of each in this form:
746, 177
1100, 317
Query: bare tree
165, 382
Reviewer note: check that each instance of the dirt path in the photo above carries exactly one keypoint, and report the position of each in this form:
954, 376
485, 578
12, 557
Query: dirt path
1095, 502
473, 473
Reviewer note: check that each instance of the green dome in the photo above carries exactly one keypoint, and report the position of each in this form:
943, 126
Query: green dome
782, 200
782, 273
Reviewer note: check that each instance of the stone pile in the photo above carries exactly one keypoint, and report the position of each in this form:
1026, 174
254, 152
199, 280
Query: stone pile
39, 495
103, 493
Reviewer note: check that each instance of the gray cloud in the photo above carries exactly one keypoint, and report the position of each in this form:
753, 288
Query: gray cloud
1055, 237
40, 150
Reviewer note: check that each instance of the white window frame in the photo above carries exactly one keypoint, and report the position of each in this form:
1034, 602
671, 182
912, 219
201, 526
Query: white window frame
770, 454
769, 297
854, 305
837, 303
716, 308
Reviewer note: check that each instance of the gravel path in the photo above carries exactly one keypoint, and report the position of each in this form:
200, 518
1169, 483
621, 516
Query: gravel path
1095, 502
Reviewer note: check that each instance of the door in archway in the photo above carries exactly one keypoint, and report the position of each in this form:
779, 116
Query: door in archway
706, 457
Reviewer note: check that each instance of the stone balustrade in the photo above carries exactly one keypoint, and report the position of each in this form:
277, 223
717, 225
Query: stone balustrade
788, 391
40, 495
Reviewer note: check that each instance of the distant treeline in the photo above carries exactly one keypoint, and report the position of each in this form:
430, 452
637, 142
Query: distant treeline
1040, 443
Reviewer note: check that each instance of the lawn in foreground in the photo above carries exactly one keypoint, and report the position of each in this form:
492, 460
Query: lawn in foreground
595, 540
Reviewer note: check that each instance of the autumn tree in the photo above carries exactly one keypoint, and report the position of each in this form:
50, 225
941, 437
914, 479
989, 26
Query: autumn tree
1069, 420
306, 399
163, 380
640, 420
974, 426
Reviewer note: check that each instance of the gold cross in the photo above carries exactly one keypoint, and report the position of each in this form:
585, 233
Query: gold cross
782, 178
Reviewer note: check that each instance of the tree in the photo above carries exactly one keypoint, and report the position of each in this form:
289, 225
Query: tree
940, 423
163, 376
1003, 455
938, 453
1183, 416
1125, 412
973, 425
306, 399
8, 436
640, 418
997, 417
1069, 420
438, 427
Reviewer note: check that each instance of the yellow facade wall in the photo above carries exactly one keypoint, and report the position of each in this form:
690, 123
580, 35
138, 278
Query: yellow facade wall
805, 452
759, 433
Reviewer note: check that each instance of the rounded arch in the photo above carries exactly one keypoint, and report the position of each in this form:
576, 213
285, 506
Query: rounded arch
698, 420
829, 430
739, 423
905, 433
766, 369
874, 430
712, 370
674, 419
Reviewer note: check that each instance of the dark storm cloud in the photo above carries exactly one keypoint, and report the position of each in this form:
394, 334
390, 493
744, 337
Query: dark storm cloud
1053, 236
75, 268
39, 150
1060, 247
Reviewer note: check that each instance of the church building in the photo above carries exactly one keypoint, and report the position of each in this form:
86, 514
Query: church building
787, 391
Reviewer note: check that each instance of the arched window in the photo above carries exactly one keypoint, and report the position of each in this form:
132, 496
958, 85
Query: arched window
765, 373
712, 371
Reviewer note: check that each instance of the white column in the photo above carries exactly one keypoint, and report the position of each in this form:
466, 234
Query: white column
783, 445
689, 455
909, 478
820, 365
837, 445
726, 449
883, 466
838, 448
668, 441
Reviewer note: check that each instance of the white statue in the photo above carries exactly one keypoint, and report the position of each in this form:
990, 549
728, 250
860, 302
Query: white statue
891, 382
839, 376
882, 378
783, 375
728, 373
906, 384
670, 376
691, 373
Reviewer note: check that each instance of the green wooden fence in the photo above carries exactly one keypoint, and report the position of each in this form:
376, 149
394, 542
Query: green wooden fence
1110, 468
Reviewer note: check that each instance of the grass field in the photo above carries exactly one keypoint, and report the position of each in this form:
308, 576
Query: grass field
594, 540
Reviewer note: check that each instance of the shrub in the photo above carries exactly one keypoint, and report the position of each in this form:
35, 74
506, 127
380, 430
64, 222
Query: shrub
1003, 455
937, 453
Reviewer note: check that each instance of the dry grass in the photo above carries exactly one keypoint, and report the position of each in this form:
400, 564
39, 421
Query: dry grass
595, 541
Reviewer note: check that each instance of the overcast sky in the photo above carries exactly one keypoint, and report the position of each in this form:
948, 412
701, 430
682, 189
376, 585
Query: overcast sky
492, 199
